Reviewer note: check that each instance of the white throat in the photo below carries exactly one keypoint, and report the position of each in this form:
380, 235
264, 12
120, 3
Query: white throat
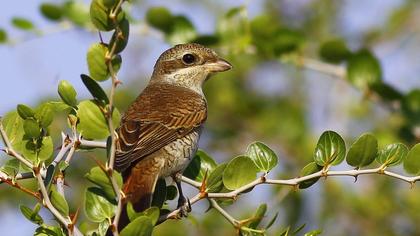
192, 78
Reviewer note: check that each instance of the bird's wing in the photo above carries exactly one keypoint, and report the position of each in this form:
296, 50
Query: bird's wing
159, 116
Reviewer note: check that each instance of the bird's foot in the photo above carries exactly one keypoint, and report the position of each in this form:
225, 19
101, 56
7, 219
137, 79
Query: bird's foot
184, 206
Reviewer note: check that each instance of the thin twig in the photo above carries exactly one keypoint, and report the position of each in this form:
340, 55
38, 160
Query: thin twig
4, 178
228, 217
93, 144
9, 148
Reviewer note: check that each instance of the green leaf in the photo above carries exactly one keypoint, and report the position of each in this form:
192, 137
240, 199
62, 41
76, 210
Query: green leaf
392, 155
47, 148
153, 213
24, 111
51, 11
97, 207
22, 23
307, 170
141, 226
198, 166
44, 114
46, 230
32, 129
334, 51
159, 196
76, 12
363, 69
13, 126
3, 36
59, 202
67, 93
31, 215
239, 172
206, 40
182, 31
215, 179
412, 161
100, 16
313, 232
363, 151
386, 91
121, 39
95, 89
97, 66
11, 167
258, 216
411, 106
109, 3
97, 176
160, 18
330, 149
271, 222
263, 157
93, 124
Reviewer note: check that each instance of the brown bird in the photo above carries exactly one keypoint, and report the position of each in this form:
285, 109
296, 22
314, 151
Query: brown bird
158, 135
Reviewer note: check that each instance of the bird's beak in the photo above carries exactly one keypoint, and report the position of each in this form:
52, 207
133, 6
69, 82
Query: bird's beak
219, 65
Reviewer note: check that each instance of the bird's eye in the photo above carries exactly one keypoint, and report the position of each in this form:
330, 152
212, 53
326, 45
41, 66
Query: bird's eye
188, 58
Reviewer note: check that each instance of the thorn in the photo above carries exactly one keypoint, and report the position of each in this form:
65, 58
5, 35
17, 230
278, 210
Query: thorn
75, 215
204, 184
355, 178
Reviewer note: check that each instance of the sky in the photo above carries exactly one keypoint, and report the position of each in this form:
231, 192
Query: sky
33, 67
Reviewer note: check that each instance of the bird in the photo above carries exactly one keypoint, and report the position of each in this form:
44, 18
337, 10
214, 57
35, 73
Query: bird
158, 134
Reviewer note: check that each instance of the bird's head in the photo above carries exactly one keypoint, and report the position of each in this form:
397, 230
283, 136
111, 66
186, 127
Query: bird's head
188, 65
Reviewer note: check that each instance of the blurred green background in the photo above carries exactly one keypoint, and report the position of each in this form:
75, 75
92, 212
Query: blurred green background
271, 95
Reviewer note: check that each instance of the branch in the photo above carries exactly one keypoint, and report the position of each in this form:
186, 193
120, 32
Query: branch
9, 148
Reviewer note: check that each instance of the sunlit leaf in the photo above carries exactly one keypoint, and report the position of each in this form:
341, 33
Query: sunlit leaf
153, 213
330, 149
44, 114
263, 157
97, 66
32, 129
412, 161
76, 12
100, 16
59, 202
93, 124
239, 171
97, 207
67, 93
31, 215
11, 167
363, 151
141, 226
46, 230
46, 150
215, 179
24, 111
97, 176
201, 163
392, 155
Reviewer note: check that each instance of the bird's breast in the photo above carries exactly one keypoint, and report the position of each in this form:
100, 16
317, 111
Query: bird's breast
179, 153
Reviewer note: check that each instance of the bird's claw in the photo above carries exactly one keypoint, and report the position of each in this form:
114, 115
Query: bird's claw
184, 206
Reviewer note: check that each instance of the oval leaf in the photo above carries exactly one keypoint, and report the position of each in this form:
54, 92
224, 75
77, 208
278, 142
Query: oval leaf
67, 93
44, 114
97, 66
200, 164
363, 69
97, 176
239, 172
412, 161
160, 18
258, 216
51, 11
264, 158
25, 112
97, 207
307, 170
141, 226
93, 124
22, 23
363, 151
31, 215
47, 148
99, 15
215, 179
95, 89
392, 154
120, 38
334, 51
330, 149
59, 202
3, 36
153, 213
32, 129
